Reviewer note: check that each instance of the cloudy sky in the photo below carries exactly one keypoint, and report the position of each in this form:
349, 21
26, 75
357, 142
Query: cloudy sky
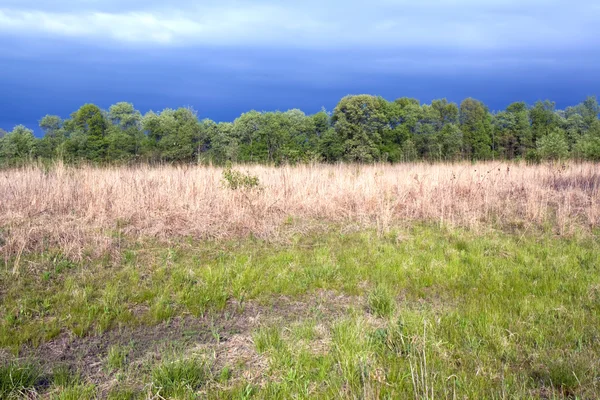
225, 57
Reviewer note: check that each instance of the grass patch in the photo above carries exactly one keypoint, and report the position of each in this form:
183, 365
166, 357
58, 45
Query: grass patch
457, 313
381, 301
76, 392
19, 380
117, 357
179, 378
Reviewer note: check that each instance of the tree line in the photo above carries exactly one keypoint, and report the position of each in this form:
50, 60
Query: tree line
361, 128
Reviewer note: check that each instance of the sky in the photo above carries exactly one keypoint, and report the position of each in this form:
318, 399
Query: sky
226, 57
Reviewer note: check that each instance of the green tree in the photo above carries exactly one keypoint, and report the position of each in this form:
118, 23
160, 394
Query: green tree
18, 146
543, 119
553, 146
89, 120
512, 131
588, 146
54, 136
476, 126
224, 145
359, 121
125, 116
179, 132
124, 136
589, 111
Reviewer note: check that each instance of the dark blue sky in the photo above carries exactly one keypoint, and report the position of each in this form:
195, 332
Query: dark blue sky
230, 57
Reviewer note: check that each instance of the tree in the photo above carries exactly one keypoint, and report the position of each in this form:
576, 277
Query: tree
359, 121
174, 135
246, 131
125, 116
476, 126
89, 121
224, 145
588, 146
17, 146
575, 128
124, 137
553, 146
445, 112
543, 119
54, 137
589, 111
512, 131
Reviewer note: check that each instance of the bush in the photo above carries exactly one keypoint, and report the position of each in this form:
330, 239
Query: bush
235, 180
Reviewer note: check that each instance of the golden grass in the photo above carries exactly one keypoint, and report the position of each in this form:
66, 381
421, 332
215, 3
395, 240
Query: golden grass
76, 208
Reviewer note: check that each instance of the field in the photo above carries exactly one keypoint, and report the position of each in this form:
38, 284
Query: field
450, 281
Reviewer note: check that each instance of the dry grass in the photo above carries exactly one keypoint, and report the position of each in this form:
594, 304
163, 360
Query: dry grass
77, 208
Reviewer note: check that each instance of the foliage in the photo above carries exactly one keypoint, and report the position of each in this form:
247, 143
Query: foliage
361, 128
18, 380
234, 180
553, 146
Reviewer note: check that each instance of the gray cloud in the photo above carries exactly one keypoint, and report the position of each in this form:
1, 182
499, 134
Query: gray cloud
381, 23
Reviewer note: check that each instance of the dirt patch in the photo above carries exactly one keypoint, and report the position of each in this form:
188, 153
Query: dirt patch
227, 336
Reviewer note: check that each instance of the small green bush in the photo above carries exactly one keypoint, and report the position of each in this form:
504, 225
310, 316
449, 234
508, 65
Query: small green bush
234, 180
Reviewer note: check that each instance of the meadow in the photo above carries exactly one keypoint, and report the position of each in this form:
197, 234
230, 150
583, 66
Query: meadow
452, 281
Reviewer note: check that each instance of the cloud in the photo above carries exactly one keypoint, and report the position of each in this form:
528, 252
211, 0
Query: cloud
213, 26
383, 23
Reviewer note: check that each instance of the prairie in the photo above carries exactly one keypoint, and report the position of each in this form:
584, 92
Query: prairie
316, 281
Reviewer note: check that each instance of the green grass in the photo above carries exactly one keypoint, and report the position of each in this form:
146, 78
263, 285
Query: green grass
420, 312
76, 392
117, 357
19, 380
179, 378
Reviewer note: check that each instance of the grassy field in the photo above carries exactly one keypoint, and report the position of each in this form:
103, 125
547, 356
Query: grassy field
366, 287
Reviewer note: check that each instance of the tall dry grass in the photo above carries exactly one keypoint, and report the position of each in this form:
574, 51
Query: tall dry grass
77, 208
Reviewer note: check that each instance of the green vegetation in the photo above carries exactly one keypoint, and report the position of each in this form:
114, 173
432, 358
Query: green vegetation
361, 128
419, 312
178, 378
19, 379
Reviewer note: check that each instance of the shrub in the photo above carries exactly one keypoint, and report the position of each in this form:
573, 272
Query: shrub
234, 180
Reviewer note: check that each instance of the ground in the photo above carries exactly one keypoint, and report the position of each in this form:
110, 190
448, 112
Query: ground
419, 310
